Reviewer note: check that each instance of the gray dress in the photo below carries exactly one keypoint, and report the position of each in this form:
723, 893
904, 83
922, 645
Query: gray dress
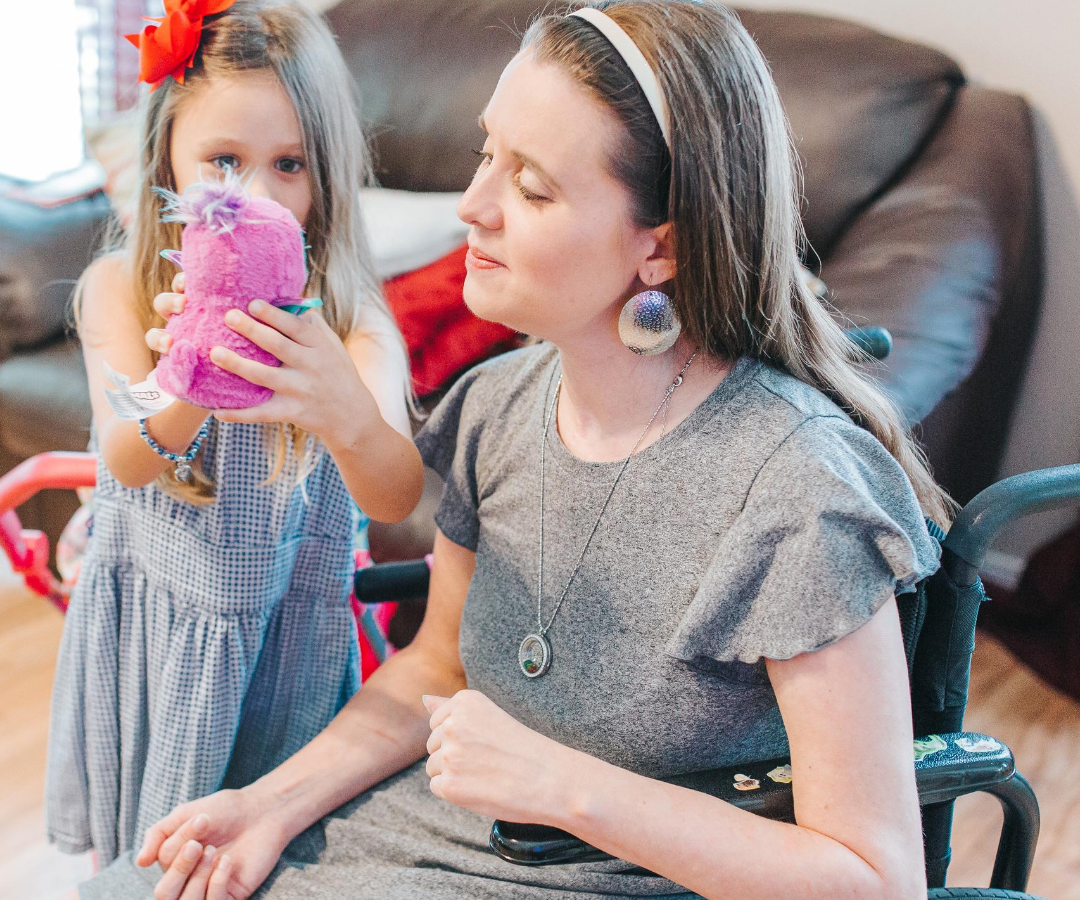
764, 525
203, 645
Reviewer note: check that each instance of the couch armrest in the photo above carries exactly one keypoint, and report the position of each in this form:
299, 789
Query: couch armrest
42, 253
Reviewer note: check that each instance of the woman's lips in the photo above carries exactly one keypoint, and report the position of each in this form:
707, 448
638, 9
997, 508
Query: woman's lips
477, 259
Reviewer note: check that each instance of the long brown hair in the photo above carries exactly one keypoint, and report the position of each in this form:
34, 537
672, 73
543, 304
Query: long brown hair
730, 187
293, 43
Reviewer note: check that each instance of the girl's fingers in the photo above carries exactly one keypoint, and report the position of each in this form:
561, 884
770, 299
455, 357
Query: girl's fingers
270, 411
248, 369
159, 340
192, 829
176, 876
270, 339
218, 889
159, 832
166, 305
179, 282
200, 878
302, 329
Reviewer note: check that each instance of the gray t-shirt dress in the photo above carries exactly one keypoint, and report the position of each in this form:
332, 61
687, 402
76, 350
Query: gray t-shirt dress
765, 524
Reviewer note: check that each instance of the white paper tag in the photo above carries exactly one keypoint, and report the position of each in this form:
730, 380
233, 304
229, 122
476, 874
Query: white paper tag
135, 401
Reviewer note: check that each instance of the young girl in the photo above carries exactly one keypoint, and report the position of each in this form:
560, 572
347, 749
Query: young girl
210, 635
645, 564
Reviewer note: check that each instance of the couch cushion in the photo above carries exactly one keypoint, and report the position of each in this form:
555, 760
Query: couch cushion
44, 401
42, 252
861, 103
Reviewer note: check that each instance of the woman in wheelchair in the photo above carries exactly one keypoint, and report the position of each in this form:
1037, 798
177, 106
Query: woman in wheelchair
647, 562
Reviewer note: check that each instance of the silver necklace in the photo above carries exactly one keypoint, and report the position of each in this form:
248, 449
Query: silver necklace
534, 653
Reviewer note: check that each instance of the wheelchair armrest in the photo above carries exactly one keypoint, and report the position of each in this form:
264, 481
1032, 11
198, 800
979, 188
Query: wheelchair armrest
947, 766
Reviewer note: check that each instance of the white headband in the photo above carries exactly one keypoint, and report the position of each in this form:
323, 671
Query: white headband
635, 59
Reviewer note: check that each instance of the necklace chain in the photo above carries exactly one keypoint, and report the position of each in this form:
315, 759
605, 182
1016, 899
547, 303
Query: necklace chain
543, 629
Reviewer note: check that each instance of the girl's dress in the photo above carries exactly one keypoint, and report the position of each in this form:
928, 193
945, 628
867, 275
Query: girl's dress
203, 645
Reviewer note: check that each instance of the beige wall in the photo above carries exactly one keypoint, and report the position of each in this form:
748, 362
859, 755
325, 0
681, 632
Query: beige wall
1029, 47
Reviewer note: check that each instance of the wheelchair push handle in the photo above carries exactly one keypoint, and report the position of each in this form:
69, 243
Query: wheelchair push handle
873, 340
394, 582
979, 522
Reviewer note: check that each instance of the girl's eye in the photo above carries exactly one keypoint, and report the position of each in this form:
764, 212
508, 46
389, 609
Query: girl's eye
290, 165
226, 162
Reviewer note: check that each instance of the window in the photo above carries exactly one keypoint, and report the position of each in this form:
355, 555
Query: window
62, 67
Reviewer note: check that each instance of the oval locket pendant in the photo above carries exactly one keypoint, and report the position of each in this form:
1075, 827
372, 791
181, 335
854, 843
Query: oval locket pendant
534, 655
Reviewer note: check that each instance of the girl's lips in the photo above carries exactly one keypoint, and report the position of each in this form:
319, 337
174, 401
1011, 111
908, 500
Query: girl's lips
475, 259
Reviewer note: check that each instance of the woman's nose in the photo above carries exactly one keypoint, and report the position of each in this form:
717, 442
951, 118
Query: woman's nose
479, 205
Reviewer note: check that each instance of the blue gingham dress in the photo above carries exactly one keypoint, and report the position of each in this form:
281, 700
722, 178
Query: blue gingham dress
204, 645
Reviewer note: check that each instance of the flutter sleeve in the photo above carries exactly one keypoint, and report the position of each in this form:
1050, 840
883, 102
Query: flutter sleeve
829, 531
448, 444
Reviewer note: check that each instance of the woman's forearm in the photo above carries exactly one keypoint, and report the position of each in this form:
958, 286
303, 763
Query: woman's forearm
380, 731
382, 471
716, 849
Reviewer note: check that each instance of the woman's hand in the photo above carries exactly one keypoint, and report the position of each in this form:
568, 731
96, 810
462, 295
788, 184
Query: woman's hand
486, 761
316, 387
166, 304
220, 847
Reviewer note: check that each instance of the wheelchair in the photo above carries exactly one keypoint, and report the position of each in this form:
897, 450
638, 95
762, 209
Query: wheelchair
938, 622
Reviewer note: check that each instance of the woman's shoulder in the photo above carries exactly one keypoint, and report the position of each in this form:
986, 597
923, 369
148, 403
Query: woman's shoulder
490, 396
495, 387
788, 435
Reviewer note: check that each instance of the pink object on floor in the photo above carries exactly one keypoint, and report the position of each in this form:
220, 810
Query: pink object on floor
236, 248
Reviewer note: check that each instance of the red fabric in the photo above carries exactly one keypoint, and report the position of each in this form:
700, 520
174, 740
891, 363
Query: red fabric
443, 337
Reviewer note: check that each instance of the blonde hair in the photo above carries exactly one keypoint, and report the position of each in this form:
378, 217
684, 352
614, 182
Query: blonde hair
730, 187
293, 43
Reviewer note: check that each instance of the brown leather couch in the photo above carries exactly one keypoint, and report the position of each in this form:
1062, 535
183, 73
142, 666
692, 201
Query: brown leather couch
921, 206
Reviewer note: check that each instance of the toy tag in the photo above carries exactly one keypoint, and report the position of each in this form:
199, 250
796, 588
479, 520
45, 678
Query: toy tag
135, 401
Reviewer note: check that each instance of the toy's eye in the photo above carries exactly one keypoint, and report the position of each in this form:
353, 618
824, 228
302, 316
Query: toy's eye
226, 162
290, 165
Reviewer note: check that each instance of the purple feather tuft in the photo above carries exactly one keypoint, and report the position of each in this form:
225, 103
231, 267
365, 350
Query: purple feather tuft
219, 205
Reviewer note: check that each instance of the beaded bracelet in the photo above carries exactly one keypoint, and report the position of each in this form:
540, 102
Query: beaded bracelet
182, 460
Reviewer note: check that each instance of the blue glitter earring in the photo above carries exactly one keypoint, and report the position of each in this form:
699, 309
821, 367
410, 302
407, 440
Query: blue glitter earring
648, 324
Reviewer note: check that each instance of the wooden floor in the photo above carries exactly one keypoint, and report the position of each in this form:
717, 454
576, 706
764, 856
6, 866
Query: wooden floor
1041, 725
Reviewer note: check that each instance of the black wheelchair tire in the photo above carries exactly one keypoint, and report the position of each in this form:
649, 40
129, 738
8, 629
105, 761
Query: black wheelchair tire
959, 893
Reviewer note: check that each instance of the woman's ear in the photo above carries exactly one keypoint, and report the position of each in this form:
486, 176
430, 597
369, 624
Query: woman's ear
659, 266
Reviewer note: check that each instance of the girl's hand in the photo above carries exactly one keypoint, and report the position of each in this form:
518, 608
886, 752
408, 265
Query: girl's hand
486, 761
316, 387
220, 847
166, 304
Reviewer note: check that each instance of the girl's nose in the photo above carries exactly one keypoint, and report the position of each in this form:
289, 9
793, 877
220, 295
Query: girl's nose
257, 186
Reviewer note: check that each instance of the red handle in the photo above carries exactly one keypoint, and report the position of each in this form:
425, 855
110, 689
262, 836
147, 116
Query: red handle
27, 549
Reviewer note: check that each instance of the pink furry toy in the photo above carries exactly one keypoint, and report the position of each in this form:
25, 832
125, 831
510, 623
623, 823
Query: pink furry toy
235, 248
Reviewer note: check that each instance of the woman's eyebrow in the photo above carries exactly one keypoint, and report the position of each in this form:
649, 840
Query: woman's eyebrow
536, 167
526, 160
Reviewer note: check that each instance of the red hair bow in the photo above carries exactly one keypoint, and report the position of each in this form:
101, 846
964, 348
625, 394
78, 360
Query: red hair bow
168, 46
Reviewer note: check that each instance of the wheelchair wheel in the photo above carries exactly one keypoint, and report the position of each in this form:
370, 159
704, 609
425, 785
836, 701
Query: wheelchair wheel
959, 893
